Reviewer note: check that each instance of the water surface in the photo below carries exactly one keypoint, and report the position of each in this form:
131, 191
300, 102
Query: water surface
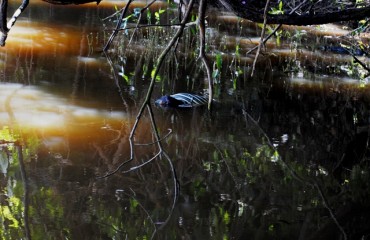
282, 156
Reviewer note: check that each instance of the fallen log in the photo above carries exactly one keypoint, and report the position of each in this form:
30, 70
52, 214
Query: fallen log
305, 12
288, 12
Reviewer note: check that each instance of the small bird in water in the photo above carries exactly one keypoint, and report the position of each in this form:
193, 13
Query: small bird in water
181, 100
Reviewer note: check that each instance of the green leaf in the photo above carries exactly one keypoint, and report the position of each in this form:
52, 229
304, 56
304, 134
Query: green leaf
152, 74
219, 61
149, 16
234, 83
237, 50
126, 78
277, 11
226, 218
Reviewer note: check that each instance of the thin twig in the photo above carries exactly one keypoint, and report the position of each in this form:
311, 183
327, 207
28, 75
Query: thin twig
146, 102
116, 81
139, 19
174, 25
202, 52
266, 39
114, 171
157, 141
261, 43
142, 207
154, 126
332, 214
359, 62
302, 180
173, 170
278, 27
118, 26
112, 15
144, 163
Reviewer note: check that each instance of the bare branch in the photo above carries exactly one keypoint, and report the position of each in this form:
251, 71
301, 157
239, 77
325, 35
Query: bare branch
146, 102
202, 53
157, 141
261, 43
6, 26
118, 26
143, 164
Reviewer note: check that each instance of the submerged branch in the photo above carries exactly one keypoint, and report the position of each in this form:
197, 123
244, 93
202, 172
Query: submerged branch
146, 102
173, 170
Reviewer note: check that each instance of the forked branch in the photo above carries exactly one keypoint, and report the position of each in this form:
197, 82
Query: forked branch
146, 103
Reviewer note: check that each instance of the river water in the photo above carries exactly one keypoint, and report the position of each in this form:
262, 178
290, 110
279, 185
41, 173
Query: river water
283, 154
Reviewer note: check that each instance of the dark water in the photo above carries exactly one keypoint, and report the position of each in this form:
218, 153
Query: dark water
282, 156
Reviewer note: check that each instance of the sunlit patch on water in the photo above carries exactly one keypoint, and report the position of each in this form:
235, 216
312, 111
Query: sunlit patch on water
42, 37
321, 81
136, 4
92, 61
30, 107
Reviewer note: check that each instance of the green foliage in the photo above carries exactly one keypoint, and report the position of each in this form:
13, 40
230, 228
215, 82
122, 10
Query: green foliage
6, 134
278, 35
133, 205
149, 16
217, 68
153, 75
277, 11
158, 15
198, 188
11, 210
10, 213
237, 49
225, 216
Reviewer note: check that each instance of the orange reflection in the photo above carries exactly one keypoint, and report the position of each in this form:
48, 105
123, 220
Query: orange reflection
42, 38
29, 107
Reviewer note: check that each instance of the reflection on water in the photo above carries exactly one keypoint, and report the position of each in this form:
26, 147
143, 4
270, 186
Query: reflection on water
283, 156
30, 107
